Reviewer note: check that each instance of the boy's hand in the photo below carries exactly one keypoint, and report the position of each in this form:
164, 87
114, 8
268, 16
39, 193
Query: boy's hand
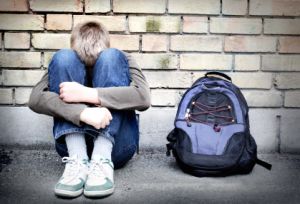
73, 92
97, 117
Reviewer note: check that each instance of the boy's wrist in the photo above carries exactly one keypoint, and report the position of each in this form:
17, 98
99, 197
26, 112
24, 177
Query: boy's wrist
91, 95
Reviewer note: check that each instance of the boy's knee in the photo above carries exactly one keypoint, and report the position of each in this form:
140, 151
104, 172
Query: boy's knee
64, 57
111, 53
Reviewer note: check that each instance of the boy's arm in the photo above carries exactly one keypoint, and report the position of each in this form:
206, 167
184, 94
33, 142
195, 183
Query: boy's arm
46, 102
135, 97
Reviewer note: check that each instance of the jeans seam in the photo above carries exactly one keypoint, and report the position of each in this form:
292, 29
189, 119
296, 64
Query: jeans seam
68, 131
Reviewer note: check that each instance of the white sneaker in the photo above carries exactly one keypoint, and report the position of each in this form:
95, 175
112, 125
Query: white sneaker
74, 177
100, 181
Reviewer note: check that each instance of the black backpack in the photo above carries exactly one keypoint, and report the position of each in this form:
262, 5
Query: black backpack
211, 135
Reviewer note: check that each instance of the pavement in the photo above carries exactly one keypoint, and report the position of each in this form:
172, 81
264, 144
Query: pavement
28, 176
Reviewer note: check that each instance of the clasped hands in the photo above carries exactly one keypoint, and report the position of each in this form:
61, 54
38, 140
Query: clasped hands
73, 92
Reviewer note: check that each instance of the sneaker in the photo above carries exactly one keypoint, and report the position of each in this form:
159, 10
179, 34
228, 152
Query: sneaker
100, 181
73, 179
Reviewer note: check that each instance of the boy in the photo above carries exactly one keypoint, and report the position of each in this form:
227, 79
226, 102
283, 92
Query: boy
91, 91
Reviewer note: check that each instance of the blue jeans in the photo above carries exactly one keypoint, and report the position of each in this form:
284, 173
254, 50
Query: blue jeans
110, 70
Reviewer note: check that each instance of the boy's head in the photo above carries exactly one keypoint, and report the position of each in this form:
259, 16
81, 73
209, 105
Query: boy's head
88, 39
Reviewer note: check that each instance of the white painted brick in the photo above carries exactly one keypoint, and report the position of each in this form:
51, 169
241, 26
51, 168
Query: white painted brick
205, 61
59, 22
234, 7
13, 5
164, 97
263, 127
281, 62
156, 61
125, 42
155, 43
250, 44
56, 5
97, 6
252, 80
194, 6
17, 40
289, 44
6, 96
263, 98
289, 131
192, 24
139, 6
20, 59
275, 7
50, 40
21, 22
163, 24
196, 43
21, 77
165, 79
47, 58
288, 81
111, 23
153, 132
292, 99
282, 26
22, 95
249, 80
236, 25
247, 62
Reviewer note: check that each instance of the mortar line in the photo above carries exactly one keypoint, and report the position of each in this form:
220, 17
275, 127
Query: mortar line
262, 26
13, 96
221, 11
278, 135
248, 9
2, 41
233, 63
28, 6
111, 7
140, 43
83, 7
181, 25
167, 8
127, 24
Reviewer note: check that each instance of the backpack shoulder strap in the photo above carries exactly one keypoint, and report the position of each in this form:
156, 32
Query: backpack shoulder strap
218, 74
263, 164
172, 139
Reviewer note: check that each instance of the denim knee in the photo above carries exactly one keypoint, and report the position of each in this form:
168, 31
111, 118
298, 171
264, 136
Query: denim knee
65, 66
110, 54
64, 57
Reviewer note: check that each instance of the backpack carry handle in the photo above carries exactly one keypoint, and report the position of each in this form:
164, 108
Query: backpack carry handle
219, 74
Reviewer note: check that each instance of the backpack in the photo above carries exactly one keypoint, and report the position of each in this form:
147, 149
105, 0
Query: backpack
211, 135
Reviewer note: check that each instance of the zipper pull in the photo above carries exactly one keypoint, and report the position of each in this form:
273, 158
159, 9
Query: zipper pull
187, 117
217, 128
187, 114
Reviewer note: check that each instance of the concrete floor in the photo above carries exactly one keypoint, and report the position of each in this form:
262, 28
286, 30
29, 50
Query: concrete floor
28, 176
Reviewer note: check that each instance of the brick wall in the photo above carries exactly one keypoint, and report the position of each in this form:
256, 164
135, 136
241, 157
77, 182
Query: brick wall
174, 42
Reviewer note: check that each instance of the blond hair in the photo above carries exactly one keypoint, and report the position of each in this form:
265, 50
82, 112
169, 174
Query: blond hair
88, 39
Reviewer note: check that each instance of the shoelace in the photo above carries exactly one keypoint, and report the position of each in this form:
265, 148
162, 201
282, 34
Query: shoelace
204, 109
72, 167
97, 169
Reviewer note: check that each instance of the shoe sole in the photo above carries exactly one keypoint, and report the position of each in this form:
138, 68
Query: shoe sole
69, 194
98, 193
